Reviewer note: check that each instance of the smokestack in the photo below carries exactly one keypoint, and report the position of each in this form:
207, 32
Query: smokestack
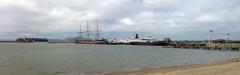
136, 37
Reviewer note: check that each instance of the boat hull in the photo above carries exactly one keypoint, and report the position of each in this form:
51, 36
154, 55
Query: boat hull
92, 42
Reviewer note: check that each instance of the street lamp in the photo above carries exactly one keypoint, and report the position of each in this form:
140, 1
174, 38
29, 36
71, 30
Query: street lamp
228, 38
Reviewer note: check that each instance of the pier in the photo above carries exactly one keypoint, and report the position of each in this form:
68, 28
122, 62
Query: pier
225, 46
204, 45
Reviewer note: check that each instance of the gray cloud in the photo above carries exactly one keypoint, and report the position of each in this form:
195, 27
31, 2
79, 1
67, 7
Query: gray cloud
160, 17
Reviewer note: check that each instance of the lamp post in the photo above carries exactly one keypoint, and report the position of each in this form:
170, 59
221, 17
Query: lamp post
210, 36
228, 41
228, 38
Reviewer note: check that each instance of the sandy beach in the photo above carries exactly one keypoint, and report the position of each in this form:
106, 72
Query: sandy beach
227, 67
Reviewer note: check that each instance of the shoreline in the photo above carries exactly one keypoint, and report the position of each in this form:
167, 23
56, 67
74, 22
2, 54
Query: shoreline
220, 67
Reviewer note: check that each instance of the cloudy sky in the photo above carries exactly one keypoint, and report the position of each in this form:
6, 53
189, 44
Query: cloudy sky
178, 19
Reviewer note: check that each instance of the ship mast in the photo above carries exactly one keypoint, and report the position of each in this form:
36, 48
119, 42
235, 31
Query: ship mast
97, 30
80, 31
88, 36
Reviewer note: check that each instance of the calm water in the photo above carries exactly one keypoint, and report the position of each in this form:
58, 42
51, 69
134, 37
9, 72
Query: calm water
74, 59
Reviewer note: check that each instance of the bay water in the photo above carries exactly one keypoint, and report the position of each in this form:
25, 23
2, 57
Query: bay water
77, 59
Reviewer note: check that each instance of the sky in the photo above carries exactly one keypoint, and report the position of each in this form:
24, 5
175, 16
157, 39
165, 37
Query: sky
178, 19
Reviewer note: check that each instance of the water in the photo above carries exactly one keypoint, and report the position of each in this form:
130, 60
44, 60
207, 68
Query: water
75, 59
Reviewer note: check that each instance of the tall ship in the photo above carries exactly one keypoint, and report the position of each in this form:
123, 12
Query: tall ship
88, 40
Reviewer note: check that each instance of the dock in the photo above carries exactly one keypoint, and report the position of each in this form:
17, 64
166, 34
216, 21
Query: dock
225, 46
205, 45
